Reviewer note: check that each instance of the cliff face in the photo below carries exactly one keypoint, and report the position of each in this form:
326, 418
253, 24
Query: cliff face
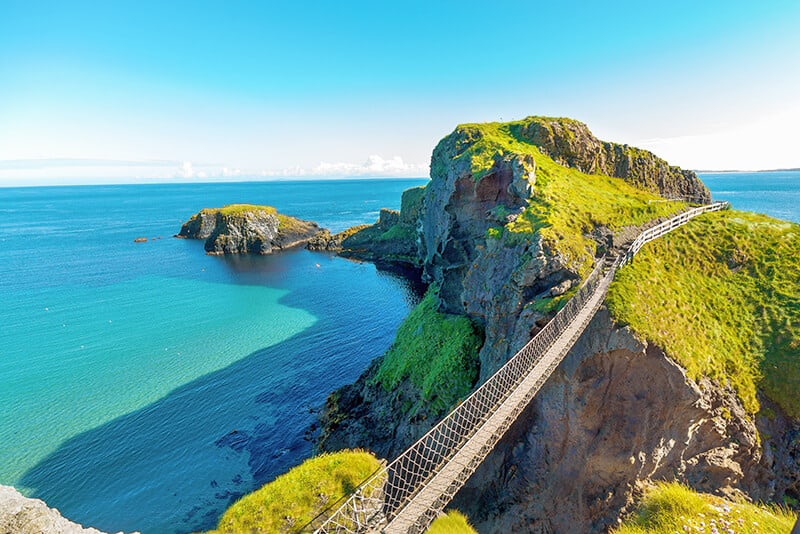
617, 411
243, 228
570, 143
510, 280
490, 279
509, 226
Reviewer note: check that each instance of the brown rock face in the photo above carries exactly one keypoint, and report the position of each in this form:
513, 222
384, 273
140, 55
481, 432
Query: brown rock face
571, 143
493, 280
617, 411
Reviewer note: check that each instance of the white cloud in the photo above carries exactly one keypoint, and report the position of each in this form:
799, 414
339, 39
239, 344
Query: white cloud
230, 172
186, 170
375, 165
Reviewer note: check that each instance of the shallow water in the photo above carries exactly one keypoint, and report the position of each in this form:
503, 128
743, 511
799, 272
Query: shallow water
145, 385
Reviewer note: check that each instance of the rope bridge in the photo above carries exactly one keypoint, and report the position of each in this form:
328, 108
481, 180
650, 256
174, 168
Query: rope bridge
406, 495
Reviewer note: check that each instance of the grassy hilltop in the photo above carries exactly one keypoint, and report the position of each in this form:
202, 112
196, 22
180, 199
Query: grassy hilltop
567, 203
722, 296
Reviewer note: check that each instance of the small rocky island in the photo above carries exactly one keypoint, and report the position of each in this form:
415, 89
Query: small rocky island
247, 228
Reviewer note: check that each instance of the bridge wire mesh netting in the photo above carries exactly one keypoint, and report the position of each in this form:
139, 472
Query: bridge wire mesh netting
394, 498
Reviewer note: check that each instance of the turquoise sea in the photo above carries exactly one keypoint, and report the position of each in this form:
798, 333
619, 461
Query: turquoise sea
775, 193
145, 385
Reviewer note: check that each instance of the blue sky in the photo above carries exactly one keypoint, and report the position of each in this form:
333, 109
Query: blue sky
140, 91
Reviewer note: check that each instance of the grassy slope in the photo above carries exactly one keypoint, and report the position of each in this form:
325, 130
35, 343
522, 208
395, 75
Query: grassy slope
285, 222
454, 522
729, 280
670, 508
233, 210
567, 203
295, 498
437, 351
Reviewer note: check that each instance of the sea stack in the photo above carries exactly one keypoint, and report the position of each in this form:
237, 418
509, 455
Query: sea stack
247, 228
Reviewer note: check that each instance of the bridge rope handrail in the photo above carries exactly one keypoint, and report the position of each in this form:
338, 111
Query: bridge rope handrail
385, 494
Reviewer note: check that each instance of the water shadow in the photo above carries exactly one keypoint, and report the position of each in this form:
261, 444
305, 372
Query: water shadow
176, 464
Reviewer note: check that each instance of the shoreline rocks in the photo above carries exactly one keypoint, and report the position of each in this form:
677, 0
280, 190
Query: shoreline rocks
23, 515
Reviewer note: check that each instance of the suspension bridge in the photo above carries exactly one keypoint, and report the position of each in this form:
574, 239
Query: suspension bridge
406, 495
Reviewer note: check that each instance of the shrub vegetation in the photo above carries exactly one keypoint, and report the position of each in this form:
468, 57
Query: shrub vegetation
671, 507
295, 498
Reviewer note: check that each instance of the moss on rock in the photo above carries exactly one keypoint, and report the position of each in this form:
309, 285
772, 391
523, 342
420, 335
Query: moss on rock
438, 352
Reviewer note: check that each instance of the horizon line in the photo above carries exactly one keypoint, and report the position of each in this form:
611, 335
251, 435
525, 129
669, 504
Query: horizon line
214, 180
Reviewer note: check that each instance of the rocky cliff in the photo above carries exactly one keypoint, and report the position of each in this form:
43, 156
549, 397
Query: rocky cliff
570, 143
245, 228
21, 515
617, 412
511, 222
393, 237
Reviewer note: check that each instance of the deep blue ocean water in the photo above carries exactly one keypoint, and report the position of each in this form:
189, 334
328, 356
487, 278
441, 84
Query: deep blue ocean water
775, 193
145, 385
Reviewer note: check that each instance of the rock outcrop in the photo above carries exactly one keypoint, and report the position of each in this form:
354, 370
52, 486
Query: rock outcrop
392, 239
618, 411
245, 228
570, 143
21, 515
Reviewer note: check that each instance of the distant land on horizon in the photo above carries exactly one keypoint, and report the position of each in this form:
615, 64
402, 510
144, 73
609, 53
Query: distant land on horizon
792, 169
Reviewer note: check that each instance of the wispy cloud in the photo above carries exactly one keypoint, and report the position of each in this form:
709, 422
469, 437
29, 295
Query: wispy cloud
375, 165
57, 163
49, 171
187, 170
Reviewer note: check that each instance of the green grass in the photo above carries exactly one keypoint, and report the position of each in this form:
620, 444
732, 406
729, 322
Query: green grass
285, 222
567, 204
411, 204
353, 230
671, 507
295, 498
399, 232
233, 210
454, 522
437, 351
721, 295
